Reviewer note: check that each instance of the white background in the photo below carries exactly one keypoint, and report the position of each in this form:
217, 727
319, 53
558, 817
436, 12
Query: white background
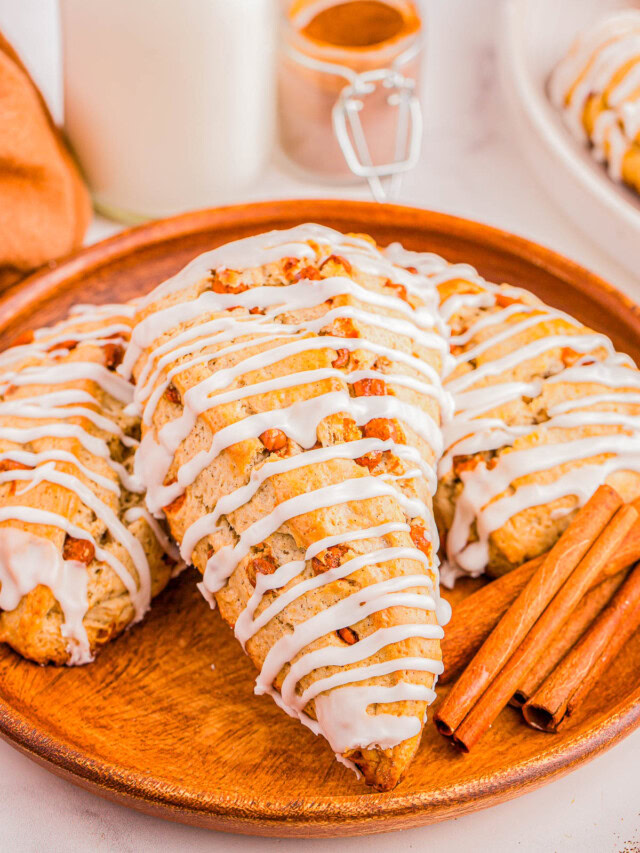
470, 167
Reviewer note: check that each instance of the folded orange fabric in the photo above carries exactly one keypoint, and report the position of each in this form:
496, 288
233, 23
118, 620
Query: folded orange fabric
44, 205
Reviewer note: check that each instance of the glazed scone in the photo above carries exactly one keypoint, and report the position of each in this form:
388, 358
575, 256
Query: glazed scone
80, 556
289, 386
546, 411
597, 87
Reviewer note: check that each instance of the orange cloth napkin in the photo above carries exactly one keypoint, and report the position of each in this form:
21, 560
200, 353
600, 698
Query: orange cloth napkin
44, 205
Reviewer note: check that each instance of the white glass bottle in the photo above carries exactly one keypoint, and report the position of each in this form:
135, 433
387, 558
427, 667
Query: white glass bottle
168, 105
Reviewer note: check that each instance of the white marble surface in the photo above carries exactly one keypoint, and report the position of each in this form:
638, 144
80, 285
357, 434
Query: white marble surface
471, 168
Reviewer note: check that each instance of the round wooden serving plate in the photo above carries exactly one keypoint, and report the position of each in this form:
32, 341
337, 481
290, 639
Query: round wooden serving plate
150, 724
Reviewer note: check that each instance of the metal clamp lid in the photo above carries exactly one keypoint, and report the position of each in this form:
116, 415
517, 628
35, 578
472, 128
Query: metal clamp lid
348, 126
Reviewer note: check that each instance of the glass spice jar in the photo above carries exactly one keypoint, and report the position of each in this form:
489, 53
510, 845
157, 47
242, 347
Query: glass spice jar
348, 75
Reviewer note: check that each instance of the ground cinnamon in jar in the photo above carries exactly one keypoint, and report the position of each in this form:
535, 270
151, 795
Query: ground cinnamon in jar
353, 37
360, 23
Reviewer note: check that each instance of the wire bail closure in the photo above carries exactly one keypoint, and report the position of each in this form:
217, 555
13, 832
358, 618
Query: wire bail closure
347, 124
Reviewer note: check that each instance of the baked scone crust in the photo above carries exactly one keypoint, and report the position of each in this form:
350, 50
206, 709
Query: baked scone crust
546, 411
366, 386
66, 457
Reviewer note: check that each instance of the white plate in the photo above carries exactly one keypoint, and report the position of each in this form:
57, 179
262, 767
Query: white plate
535, 36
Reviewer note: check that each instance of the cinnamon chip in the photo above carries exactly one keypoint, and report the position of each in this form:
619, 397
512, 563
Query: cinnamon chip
370, 460
338, 261
332, 559
465, 463
113, 355
220, 287
265, 565
345, 328
382, 428
569, 356
342, 359
290, 263
274, 440
370, 388
172, 394
334, 555
223, 282
80, 550
70, 345
307, 273
400, 289
348, 635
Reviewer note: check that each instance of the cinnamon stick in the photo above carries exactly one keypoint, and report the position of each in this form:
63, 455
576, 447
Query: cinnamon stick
502, 688
476, 617
556, 567
582, 617
570, 683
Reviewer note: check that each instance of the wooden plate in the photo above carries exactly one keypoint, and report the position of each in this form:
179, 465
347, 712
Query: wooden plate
152, 725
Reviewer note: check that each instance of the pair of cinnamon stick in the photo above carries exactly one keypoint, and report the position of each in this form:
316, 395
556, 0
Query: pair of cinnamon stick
531, 618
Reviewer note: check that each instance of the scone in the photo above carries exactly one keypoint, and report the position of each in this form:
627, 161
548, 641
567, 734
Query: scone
546, 411
80, 556
289, 387
597, 87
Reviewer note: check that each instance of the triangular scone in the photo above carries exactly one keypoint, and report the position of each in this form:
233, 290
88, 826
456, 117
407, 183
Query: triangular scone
290, 391
597, 87
80, 557
546, 411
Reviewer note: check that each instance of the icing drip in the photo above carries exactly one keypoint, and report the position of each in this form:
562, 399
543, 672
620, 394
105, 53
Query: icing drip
27, 561
343, 714
184, 336
48, 473
135, 513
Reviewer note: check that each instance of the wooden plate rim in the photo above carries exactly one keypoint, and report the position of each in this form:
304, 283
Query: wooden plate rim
220, 810
223, 812
31, 290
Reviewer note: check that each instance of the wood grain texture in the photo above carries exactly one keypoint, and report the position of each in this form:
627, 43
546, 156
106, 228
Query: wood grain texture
151, 725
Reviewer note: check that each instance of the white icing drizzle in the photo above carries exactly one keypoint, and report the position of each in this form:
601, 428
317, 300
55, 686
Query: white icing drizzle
25, 457
206, 524
93, 443
489, 496
42, 364
580, 343
32, 515
71, 371
222, 564
45, 341
365, 602
27, 561
589, 68
371, 558
62, 408
49, 474
342, 714
237, 333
